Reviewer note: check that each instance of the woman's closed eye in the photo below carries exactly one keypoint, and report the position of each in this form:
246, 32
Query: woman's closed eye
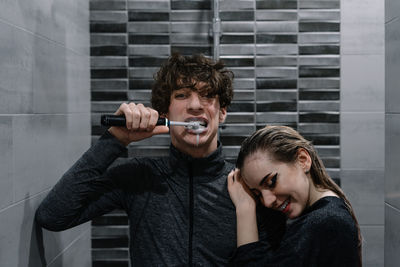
270, 183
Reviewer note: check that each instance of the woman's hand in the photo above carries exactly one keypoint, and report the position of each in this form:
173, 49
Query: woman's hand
246, 219
239, 192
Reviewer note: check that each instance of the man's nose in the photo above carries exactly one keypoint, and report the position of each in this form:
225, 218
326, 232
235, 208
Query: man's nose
194, 102
268, 198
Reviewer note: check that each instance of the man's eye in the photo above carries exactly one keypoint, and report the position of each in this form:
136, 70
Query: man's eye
180, 96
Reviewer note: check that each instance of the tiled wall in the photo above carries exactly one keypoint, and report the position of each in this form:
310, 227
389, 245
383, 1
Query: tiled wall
392, 134
362, 130
285, 56
44, 123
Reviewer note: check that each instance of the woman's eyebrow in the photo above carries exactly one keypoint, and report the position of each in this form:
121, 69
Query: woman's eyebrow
262, 180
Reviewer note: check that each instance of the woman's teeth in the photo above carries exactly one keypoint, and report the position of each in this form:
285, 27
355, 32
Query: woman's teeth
284, 205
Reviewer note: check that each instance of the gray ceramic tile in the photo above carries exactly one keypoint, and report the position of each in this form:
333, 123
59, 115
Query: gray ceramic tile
149, 50
44, 20
231, 5
362, 140
319, 15
319, 38
322, 60
110, 61
392, 8
109, 16
363, 83
185, 38
362, 25
365, 190
99, 39
44, 147
233, 49
149, 4
373, 245
19, 246
392, 236
392, 67
148, 27
277, 26
6, 155
237, 26
191, 15
78, 254
316, 83
392, 159
276, 15
312, 105
17, 54
190, 27
319, 128
78, 83
277, 49
50, 86
273, 72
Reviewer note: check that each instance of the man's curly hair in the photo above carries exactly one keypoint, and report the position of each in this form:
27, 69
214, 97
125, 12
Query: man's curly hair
184, 72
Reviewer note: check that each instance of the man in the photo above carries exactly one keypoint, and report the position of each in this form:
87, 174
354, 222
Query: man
178, 207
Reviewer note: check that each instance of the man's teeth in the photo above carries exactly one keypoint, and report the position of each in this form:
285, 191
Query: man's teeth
283, 206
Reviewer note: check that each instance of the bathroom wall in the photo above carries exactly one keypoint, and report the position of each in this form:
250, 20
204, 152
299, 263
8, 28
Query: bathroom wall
362, 112
44, 124
392, 133
285, 56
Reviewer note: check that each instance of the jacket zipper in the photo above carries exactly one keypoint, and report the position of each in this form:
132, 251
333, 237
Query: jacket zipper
191, 205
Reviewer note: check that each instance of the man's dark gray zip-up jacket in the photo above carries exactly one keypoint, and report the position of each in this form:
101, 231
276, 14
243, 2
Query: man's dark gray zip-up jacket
179, 209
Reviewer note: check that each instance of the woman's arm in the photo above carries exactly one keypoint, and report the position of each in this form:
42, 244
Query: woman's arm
247, 231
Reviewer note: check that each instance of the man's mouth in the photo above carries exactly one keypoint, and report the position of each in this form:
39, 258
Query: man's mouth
285, 206
199, 125
201, 121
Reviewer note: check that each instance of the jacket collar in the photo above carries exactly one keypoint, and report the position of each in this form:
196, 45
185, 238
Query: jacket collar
204, 169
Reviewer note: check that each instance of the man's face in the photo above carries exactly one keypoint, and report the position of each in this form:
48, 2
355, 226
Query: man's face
189, 105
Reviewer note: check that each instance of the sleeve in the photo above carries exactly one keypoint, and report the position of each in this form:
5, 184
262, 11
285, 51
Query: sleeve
252, 254
85, 191
339, 245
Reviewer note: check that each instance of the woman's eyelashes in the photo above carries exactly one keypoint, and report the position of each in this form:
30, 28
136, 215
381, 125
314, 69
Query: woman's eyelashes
272, 182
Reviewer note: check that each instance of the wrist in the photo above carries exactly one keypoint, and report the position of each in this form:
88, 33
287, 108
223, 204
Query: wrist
246, 209
117, 136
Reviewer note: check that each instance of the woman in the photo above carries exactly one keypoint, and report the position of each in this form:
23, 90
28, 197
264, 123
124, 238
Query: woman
280, 169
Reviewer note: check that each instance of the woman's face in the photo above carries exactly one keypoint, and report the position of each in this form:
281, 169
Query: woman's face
280, 186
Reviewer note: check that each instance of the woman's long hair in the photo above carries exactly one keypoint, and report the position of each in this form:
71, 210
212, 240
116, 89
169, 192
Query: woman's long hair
283, 143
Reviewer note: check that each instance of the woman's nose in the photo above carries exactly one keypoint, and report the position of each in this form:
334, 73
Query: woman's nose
268, 198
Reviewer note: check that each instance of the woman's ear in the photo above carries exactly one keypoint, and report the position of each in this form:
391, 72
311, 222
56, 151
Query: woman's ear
304, 159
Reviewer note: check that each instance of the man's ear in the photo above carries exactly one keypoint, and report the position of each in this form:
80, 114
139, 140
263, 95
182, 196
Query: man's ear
222, 115
304, 159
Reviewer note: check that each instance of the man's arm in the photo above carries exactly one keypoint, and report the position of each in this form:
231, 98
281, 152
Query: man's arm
85, 191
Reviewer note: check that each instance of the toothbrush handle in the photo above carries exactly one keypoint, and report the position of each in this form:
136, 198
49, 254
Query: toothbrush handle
119, 120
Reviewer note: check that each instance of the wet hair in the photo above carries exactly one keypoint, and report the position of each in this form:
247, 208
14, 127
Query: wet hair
185, 72
282, 143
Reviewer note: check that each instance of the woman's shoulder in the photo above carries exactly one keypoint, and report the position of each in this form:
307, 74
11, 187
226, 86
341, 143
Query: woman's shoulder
331, 215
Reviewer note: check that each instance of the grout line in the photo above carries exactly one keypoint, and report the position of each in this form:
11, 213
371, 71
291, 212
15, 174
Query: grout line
23, 200
43, 37
393, 207
70, 245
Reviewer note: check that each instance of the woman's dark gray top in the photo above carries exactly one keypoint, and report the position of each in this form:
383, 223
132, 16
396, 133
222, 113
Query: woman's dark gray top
179, 209
324, 235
